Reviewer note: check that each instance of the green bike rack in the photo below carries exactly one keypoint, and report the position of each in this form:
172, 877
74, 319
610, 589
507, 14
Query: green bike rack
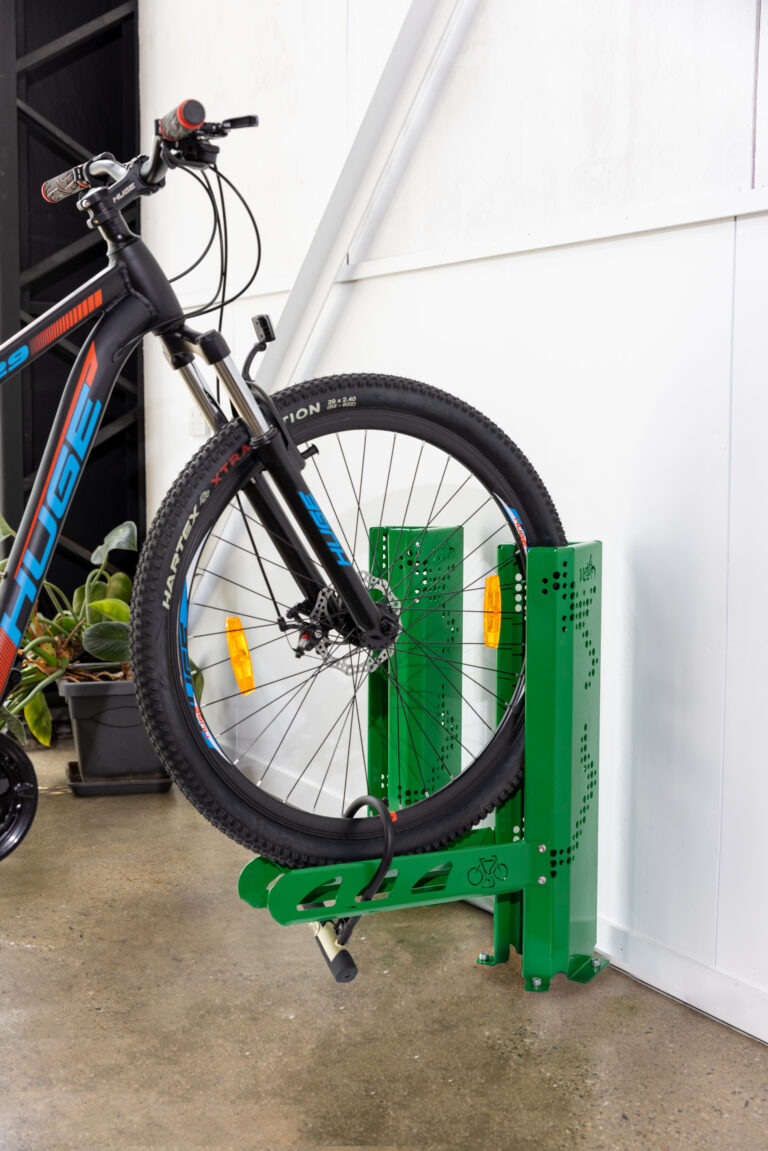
539, 860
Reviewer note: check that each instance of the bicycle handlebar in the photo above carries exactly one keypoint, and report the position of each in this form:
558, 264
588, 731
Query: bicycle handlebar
182, 121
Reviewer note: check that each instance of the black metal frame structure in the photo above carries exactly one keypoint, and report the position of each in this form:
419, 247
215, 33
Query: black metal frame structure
54, 61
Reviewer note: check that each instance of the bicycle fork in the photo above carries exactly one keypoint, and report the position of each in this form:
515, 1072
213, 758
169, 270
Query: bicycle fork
278, 484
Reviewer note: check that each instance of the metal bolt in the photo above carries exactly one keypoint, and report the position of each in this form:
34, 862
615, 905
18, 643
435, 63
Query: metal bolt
595, 961
542, 847
535, 982
542, 879
483, 957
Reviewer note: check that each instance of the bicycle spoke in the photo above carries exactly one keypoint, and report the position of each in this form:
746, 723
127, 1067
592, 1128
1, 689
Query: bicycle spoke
464, 699
332, 508
256, 647
232, 611
400, 692
315, 753
375, 544
236, 583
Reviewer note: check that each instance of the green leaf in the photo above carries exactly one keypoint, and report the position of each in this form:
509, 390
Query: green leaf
78, 601
5, 529
94, 593
64, 624
14, 725
57, 597
123, 537
119, 586
197, 680
41, 648
110, 609
38, 717
108, 641
22, 699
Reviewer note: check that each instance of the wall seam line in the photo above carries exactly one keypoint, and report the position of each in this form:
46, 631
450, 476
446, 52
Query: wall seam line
728, 531
758, 15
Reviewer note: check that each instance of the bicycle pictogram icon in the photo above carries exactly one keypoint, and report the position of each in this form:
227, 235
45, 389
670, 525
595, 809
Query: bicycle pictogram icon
488, 872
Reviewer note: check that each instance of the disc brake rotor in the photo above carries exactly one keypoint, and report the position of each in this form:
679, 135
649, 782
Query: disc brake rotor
325, 618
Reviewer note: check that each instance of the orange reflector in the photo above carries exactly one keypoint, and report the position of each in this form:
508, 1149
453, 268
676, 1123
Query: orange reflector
239, 656
492, 611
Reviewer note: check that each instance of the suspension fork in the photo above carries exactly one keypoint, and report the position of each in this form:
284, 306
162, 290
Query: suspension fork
280, 460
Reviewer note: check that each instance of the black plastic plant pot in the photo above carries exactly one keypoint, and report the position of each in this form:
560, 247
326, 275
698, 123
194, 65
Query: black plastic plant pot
114, 754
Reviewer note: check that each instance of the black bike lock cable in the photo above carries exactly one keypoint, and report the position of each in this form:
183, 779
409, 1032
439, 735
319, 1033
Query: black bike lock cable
345, 927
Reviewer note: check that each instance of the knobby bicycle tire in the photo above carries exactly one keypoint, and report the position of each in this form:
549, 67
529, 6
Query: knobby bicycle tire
428, 497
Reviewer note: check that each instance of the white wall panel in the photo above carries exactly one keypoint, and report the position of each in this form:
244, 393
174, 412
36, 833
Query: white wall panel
743, 925
286, 62
557, 114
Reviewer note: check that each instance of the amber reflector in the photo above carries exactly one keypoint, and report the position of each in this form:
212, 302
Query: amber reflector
239, 656
492, 612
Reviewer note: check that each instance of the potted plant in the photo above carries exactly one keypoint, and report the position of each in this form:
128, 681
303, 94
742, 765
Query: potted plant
81, 645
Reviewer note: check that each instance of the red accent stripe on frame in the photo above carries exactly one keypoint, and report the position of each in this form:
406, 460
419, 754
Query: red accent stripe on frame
7, 656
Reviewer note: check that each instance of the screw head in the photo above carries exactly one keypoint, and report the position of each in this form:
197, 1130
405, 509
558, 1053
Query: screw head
542, 847
542, 879
595, 961
536, 982
483, 957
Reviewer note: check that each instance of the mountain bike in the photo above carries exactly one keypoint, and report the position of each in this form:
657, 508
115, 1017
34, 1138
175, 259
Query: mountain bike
331, 598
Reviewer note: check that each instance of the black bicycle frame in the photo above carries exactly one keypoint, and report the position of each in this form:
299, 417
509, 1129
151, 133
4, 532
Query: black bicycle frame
131, 298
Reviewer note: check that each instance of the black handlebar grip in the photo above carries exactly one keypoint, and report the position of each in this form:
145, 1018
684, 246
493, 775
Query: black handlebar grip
67, 184
187, 118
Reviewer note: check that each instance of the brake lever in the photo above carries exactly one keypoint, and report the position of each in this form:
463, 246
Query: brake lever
241, 122
215, 128
192, 152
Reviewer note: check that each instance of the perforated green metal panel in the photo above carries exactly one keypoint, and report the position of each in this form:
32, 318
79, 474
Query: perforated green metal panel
509, 655
561, 728
414, 699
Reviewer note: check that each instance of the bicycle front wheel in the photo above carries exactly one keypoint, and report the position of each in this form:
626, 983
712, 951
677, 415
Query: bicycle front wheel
429, 501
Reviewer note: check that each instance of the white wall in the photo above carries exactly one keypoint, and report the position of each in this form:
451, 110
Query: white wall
576, 240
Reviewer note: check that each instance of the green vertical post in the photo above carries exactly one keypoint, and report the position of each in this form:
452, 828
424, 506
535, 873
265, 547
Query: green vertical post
561, 756
508, 908
414, 699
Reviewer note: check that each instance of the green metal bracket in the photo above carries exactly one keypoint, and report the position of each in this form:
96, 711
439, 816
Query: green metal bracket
539, 861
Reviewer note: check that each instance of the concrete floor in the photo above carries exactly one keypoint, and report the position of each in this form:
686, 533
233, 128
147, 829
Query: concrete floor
144, 1006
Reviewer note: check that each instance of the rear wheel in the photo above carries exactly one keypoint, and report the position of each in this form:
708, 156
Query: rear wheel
18, 795
428, 500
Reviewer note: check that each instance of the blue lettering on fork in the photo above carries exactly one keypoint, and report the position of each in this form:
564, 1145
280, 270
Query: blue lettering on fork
325, 528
